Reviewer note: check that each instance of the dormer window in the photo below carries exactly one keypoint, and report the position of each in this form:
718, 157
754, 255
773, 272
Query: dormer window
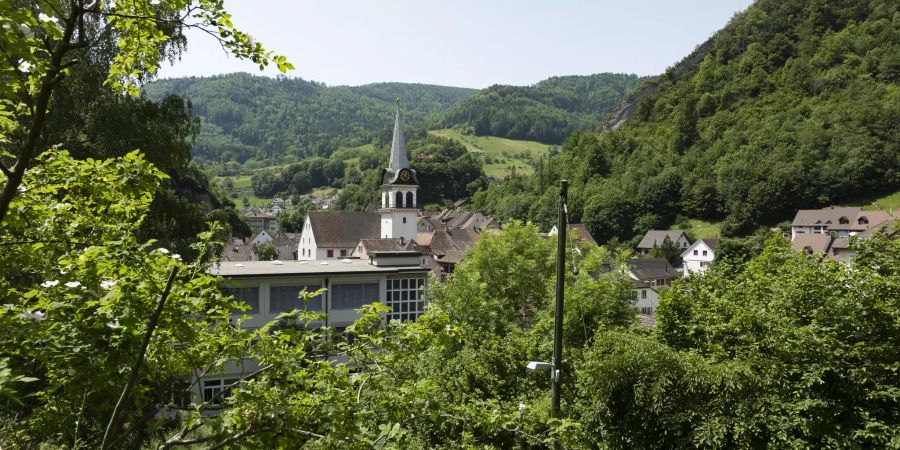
843, 220
863, 220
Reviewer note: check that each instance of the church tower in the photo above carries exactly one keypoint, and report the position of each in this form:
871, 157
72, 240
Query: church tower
398, 190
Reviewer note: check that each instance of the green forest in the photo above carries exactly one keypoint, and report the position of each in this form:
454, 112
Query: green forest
111, 233
253, 121
548, 111
449, 172
794, 105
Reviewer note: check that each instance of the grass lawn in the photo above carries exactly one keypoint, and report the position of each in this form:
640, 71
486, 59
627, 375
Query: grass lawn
887, 203
700, 228
241, 188
503, 153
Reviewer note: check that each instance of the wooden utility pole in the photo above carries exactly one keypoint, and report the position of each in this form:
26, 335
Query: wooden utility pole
562, 227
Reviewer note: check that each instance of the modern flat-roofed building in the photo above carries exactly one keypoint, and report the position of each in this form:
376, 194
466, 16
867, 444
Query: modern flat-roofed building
271, 287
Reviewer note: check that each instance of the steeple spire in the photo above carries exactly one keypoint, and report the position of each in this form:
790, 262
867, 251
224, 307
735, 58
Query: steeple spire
399, 159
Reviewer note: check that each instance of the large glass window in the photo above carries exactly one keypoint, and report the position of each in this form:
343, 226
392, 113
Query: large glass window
353, 296
246, 294
404, 297
284, 298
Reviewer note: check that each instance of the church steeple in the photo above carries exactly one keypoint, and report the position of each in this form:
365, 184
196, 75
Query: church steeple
399, 159
398, 189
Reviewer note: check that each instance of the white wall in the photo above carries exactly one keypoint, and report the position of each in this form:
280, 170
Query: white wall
306, 249
647, 298
392, 225
699, 262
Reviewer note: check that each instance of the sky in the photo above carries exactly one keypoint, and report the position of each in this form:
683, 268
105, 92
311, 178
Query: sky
467, 43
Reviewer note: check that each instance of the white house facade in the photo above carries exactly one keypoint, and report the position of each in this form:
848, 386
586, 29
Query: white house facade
699, 256
646, 298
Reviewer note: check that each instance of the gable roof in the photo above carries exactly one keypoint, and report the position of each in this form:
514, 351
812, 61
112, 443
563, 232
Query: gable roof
582, 232
832, 218
651, 268
889, 225
423, 238
343, 228
711, 243
388, 245
450, 245
708, 242
815, 242
655, 238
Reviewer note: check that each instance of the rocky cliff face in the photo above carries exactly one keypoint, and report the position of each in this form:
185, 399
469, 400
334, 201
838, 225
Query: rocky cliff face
629, 106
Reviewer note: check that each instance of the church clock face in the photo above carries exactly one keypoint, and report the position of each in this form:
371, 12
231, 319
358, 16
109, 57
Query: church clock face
405, 175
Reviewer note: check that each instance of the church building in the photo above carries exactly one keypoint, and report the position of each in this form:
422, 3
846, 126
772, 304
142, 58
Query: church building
337, 234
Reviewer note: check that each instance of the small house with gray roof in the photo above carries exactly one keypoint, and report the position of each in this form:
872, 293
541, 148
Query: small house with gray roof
656, 272
655, 238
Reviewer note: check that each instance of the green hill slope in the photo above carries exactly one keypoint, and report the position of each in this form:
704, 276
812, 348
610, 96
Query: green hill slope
258, 121
547, 111
500, 156
794, 104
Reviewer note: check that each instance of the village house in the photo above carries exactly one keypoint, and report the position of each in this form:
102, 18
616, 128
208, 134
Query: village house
646, 298
655, 238
699, 255
657, 272
840, 222
840, 248
261, 219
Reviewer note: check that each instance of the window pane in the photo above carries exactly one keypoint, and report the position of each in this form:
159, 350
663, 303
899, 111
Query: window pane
285, 298
353, 296
248, 295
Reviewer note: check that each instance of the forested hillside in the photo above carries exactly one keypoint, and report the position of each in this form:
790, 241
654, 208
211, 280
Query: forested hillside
794, 105
257, 121
548, 111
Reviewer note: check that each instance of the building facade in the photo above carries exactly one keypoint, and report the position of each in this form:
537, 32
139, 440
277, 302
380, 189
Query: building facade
699, 256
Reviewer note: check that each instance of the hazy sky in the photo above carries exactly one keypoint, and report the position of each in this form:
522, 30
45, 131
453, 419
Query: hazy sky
468, 43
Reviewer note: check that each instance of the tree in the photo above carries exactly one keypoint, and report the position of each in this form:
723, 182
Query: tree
266, 251
80, 296
669, 251
819, 339
42, 41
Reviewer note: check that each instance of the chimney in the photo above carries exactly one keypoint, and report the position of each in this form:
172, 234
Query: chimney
401, 241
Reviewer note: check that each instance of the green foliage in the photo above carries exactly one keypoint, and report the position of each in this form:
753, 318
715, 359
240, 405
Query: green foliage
501, 157
821, 340
260, 121
446, 172
266, 251
292, 219
77, 294
669, 251
547, 112
792, 106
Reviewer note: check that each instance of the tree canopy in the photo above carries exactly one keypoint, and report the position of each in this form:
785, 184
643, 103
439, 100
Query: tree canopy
792, 105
